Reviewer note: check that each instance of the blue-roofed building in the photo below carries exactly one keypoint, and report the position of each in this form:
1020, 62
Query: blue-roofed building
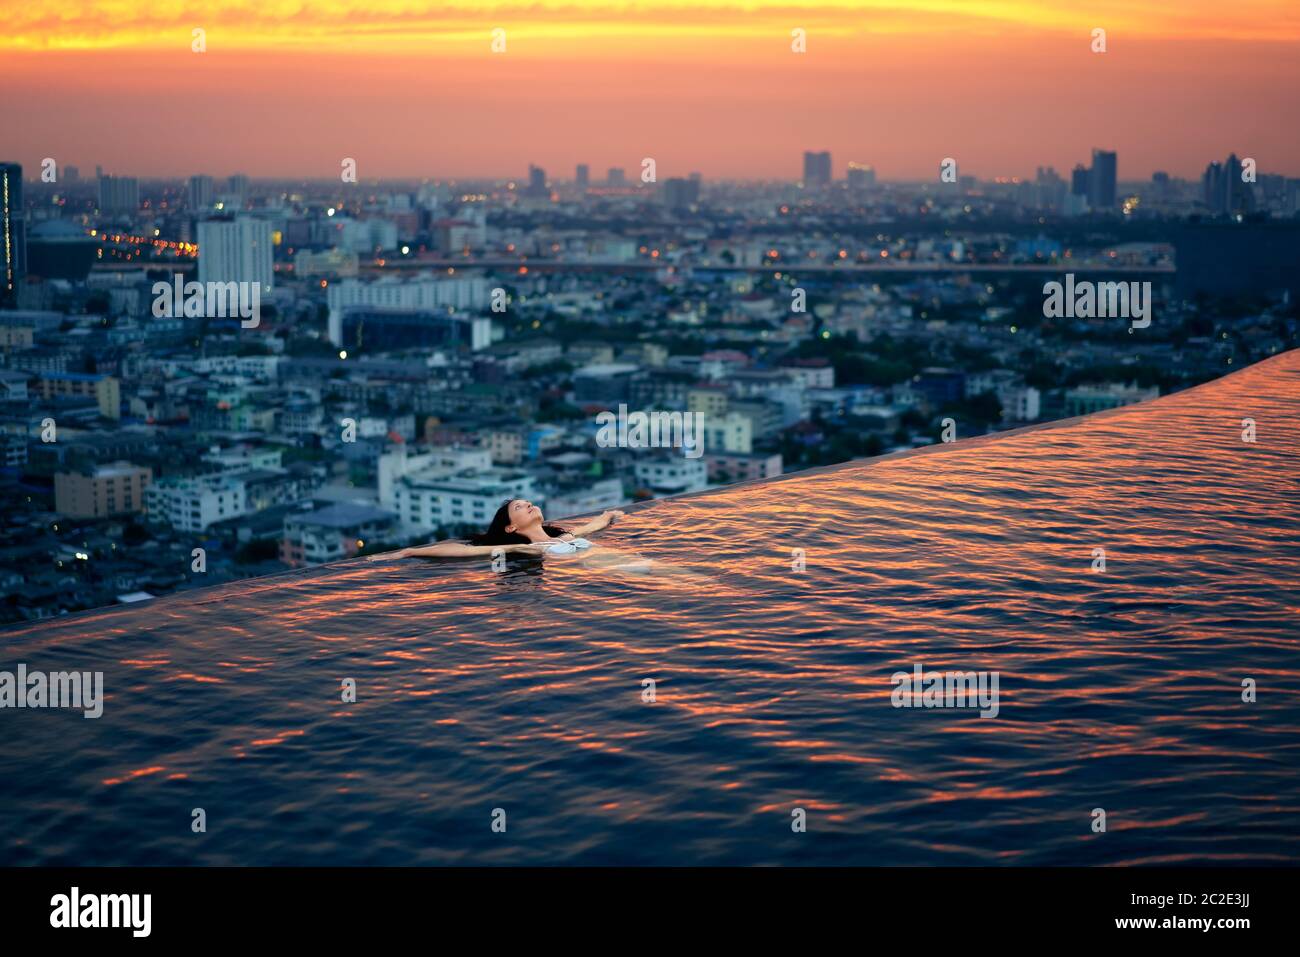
102, 388
332, 533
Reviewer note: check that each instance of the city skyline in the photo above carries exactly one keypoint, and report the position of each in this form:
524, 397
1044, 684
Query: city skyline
1002, 88
529, 179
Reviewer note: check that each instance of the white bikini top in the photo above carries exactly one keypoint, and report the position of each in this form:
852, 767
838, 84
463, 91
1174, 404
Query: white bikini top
567, 548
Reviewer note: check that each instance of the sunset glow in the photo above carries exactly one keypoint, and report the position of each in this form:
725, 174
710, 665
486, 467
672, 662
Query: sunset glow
352, 25
709, 86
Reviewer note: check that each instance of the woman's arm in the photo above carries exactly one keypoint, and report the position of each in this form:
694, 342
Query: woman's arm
461, 550
597, 523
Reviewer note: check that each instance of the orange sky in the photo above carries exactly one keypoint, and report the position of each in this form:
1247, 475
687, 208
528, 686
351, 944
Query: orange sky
288, 88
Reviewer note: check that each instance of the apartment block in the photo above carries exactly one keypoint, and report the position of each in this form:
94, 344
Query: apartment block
104, 389
115, 488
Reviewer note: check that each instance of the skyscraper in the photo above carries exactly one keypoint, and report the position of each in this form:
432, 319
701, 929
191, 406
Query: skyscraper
860, 176
537, 182
1102, 191
13, 237
816, 168
1212, 187
119, 194
616, 176
1223, 191
583, 176
236, 250
237, 186
1049, 190
1079, 180
1160, 186
203, 192
681, 193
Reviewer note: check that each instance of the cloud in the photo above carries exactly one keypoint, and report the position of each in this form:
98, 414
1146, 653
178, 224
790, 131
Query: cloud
353, 24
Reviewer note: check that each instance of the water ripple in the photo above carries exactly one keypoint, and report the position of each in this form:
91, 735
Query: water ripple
1119, 689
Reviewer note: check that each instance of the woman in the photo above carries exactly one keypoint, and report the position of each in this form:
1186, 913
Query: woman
516, 528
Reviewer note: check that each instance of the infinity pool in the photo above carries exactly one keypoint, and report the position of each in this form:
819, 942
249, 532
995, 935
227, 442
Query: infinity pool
770, 620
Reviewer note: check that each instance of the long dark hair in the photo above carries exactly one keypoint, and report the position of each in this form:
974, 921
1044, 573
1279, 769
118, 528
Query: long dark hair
496, 533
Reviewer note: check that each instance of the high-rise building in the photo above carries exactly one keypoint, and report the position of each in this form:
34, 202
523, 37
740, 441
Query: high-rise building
537, 182
616, 177
681, 193
1079, 180
583, 176
100, 491
816, 168
13, 235
1161, 189
119, 194
860, 176
237, 186
1223, 191
236, 250
1102, 191
1212, 187
1049, 190
71, 175
203, 192
1075, 202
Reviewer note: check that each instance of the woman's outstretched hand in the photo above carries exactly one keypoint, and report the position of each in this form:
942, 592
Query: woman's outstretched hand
596, 524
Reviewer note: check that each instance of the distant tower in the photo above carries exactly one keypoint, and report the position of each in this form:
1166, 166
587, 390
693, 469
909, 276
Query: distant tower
1102, 192
583, 176
1049, 189
1079, 180
681, 193
616, 177
537, 181
1223, 191
236, 250
1212, 188
817, 169
13, 236
860, 177
238, 187
119, 194
203, 192
1160, 187
1233, 188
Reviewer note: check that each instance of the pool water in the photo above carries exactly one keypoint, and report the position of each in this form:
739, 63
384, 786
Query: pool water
771, 620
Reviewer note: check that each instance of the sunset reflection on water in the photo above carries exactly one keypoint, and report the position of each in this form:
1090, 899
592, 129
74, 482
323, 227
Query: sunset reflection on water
1120, 689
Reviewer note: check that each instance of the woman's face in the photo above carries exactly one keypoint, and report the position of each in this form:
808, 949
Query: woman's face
523, 514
